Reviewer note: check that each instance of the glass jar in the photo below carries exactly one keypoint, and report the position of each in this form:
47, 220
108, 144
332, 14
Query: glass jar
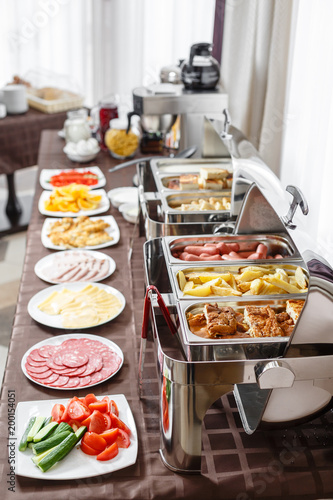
76, 126
121, 144
102, 114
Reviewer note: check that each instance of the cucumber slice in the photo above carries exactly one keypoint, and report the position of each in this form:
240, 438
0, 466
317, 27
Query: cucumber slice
45, 431
37, 458
61, 450
49, 443
47, 421
63, 426
38, 424
24, 440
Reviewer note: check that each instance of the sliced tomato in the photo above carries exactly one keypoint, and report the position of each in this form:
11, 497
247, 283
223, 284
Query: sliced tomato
97, 422
101, 406
110, 436
123, 440
77, 410
90, 398
94, 440
88, 450
108, 421
114, 408
75, 424
116, 422
57, 412
109, 452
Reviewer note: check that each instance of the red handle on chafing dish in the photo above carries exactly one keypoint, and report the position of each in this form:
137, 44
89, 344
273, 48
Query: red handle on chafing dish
145, 319
162, 306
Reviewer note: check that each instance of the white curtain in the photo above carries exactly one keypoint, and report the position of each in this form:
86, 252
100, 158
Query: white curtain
307, 153
103, 46
254, 70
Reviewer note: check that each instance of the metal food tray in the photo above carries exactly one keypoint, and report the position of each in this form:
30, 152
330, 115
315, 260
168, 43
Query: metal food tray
175, 166
233, 269
276, 243
162, 181
176, 215
197, 348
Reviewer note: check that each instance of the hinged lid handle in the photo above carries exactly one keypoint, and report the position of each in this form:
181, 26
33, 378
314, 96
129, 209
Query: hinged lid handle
298, 199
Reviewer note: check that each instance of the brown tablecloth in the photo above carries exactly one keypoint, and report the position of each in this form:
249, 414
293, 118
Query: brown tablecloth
294, 463
20, 135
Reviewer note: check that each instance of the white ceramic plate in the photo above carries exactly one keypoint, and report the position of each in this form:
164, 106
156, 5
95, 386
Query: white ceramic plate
121, 195
55, 321
113, 231
59, 339
76, 465
46, 262
103, 206
47, 173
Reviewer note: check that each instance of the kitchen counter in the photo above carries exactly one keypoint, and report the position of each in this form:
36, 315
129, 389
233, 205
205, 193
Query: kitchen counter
294, 463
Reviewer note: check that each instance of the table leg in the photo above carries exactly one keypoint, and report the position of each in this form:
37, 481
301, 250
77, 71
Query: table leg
13, 207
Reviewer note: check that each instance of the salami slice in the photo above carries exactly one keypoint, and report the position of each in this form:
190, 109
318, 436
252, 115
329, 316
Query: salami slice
62, 380
51, 379
75, 372
72, 382
50, 363
73, 359
46, 351
31, 362
40, 376
36, 369
84, 381
35, 356
95, 364
106, 372
96, 377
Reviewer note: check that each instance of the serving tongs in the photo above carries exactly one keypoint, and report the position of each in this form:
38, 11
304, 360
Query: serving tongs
145, 325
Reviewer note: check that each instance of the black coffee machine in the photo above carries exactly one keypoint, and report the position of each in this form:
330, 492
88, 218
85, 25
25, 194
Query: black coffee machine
201, 71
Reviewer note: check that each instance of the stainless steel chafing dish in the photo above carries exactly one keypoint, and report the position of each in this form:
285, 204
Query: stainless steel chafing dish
276, 244
158, 203
275, 380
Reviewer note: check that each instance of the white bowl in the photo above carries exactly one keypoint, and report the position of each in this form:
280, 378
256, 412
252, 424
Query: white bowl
82, 158
119, 196
130, 211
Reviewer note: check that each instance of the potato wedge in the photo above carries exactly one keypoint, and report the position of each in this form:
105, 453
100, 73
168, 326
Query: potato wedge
224, 291
181, 280
300, 278
203, 290
189, 285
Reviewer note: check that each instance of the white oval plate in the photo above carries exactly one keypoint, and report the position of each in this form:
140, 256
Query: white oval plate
55, 321
113, 231
47, 173
59, 339
76, 465
49, 260
103, 206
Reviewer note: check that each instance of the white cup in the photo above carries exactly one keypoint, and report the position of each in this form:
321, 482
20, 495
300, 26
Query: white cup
14, 98
3, 111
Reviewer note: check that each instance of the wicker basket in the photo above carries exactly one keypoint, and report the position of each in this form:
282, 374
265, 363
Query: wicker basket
69, 101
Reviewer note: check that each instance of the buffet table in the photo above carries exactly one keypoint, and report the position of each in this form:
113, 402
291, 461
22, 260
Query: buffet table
294, 463
19, 143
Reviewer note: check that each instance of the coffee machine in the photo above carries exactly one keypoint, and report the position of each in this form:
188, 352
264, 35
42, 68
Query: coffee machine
159, 105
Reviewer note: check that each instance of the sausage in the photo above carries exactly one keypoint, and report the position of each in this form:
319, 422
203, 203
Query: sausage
227, 256
262, 250
206, 256
254, 256
197, 250
278, 256
183, 255
245, 255
210, 245
191, 257
233, 247
194, 249
222, 248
